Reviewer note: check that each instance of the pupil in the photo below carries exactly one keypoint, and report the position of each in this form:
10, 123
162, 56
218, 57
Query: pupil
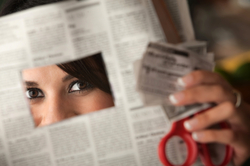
33, 93
81, 85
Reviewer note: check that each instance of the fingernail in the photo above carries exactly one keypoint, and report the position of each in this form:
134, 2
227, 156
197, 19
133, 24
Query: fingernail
190, 124
197, 136
187, 125
181, 82
184, 81
176, 98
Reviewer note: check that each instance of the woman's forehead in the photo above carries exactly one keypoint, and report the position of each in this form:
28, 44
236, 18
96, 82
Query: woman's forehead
41, 73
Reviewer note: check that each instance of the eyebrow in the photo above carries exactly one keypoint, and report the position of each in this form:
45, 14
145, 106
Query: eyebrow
31, 83
67, 77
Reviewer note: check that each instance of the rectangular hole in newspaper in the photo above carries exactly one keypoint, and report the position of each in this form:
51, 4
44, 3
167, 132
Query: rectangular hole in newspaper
62, 91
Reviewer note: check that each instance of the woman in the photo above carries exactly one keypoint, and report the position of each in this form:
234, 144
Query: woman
62, 91
200, 87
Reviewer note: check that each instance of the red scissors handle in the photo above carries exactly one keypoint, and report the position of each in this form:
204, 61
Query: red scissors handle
179, 130
205, 156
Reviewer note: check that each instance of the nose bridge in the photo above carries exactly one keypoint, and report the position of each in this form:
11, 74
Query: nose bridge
54, 111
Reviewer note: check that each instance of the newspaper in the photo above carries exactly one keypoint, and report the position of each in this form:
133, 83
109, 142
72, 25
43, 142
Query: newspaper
127, 134
181, 16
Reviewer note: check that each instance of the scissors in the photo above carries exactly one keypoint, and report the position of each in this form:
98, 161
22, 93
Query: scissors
193, 148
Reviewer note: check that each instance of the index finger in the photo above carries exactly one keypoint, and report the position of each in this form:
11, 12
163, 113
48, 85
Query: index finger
202, 77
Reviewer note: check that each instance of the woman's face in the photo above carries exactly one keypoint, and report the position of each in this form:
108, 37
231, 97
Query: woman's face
55, 95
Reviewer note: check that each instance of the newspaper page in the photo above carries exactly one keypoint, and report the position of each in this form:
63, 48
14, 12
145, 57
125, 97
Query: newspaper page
66, 31
127, 134
179, 11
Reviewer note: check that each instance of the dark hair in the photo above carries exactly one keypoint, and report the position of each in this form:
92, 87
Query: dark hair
90, 69
12, 6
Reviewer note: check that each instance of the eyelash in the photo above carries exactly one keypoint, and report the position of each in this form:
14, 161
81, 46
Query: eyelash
86, 88
35, 89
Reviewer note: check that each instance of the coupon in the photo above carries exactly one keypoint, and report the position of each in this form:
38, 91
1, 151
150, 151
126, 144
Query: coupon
162, 64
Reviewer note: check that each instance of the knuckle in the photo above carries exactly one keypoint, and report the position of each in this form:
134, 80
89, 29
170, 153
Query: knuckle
231, 136
220, 91
194, 94
198, 75
229, 106
212, 135
246, 150
197, 94
217, 76
188, 95
204, 118
198, 90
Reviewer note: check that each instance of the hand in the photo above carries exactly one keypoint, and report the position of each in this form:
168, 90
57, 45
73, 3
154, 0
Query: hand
208, 87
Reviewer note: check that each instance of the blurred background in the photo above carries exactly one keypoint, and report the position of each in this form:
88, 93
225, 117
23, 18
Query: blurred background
225, 25
1, 2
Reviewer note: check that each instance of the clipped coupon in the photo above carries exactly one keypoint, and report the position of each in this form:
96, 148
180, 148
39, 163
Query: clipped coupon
162, 64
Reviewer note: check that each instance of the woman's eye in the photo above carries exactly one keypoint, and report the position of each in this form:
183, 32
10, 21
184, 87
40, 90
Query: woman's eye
79, 85
34, 93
